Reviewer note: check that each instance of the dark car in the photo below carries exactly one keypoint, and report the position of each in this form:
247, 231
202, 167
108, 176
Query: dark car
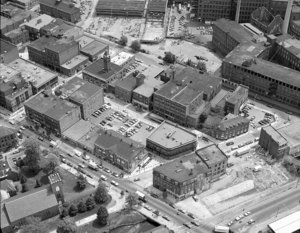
172, 205
191, 215
154, 195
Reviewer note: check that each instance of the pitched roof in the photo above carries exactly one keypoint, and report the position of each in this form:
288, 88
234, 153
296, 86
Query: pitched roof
232, 121
65, 5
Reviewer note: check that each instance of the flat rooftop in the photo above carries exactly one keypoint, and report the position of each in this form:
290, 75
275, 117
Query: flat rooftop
94, 48
250, 51
53, 178
31, 72
84, 92
171, 136
121, 58
144, 90
64, 5
277, 137
231, 120
72, 85
128, 83
234, 30
6, 46
211, 155
39, 22
128, 5
7, 72
97, 69
289, 43
238, 93
78, 130
182, 169
152, 76
291, 133
288, 224
50, 105
187, 85
75, 61
84, 41
158, 6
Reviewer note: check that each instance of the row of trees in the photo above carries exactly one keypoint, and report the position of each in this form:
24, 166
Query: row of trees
135, 45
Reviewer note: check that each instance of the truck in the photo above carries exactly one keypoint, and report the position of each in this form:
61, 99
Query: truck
242, 152
141, 196
221, 229
92, 165
77, 152
179, 8
53, 143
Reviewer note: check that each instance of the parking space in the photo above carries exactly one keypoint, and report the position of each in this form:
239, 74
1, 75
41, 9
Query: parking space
142, 133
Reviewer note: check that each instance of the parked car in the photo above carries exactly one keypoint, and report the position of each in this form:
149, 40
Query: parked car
191, 215
166, 217
195, 198
251, 221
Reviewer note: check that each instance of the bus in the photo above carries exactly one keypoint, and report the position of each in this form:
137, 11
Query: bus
221, 229
141, 196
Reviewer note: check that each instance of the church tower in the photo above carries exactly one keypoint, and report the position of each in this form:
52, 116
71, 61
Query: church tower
56, 186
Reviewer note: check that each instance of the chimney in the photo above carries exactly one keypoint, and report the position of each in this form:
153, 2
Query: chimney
139, 79
238, 9
106, 61
285, 25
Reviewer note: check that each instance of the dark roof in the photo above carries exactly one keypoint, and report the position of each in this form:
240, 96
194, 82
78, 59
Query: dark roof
232, 121
72, 85
5, 131
211, 155
29, 203
157, 6
94, 48
64, 5
129, 5
187, 85
84, 92
97, 69
234, 30
128, 83
6, 46
180, 169
239, 93
121, 146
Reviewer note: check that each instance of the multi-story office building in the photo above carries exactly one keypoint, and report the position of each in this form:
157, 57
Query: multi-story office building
24, 4
156, 9
230, 126
8, 52
53, 52
235, 100
185, 97
121, 152
228, 34
87, 96
17, 36
14, 90
170, 140
51, 112
102, 72
8, 138
63, 9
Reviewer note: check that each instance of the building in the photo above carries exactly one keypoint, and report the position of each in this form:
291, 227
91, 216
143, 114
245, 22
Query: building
62, 9
245, 65
182, 177
38, 202
131, 8
102, 72
142, 96
8, 138
236, 99
288, 224
185, 97
212, 10
34, 26
230, 126
119, 151
17, 36
4, 166
228, 34
125, 87
281, 141
286, 52
170, 140
123, 59
24, 4
38, 77
94, 50
14, 89
156, 9
215, 160
53, 52
74, 65
266, 22
51, 113
57, 187
8, 51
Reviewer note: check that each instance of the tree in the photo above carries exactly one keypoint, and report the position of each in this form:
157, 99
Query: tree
102, 215
101, 194
122, 193
37, 183
165, 194
156, 212
135, 45
73, 210
201, 66
131, 200
169, 57
24, 188
32, 152
34, 225
203, 117
66, 225
90, 203
64, 213
23, 178
81, 182
123, 40
81, 207
189, 62
51, 166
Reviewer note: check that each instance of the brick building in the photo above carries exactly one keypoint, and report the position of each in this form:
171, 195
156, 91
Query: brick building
63, 9
230, 126
119, 151
235, 100
8, 138
52, 113
14, 89
24, 4
17, 36
170, 140
156, 9
185, 97
102, 72
8, 52
94, 50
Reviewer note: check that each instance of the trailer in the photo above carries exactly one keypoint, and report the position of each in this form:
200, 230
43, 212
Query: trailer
221, 229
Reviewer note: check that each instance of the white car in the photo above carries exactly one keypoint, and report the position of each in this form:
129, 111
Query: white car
247, 213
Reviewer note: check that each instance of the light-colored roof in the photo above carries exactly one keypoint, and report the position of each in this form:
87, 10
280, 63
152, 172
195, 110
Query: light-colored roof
78, 130
144, 90
121, 58
39, 22
75, 61
171, 136
288, 224
291, 133
275, 135
84, 41
7, 72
